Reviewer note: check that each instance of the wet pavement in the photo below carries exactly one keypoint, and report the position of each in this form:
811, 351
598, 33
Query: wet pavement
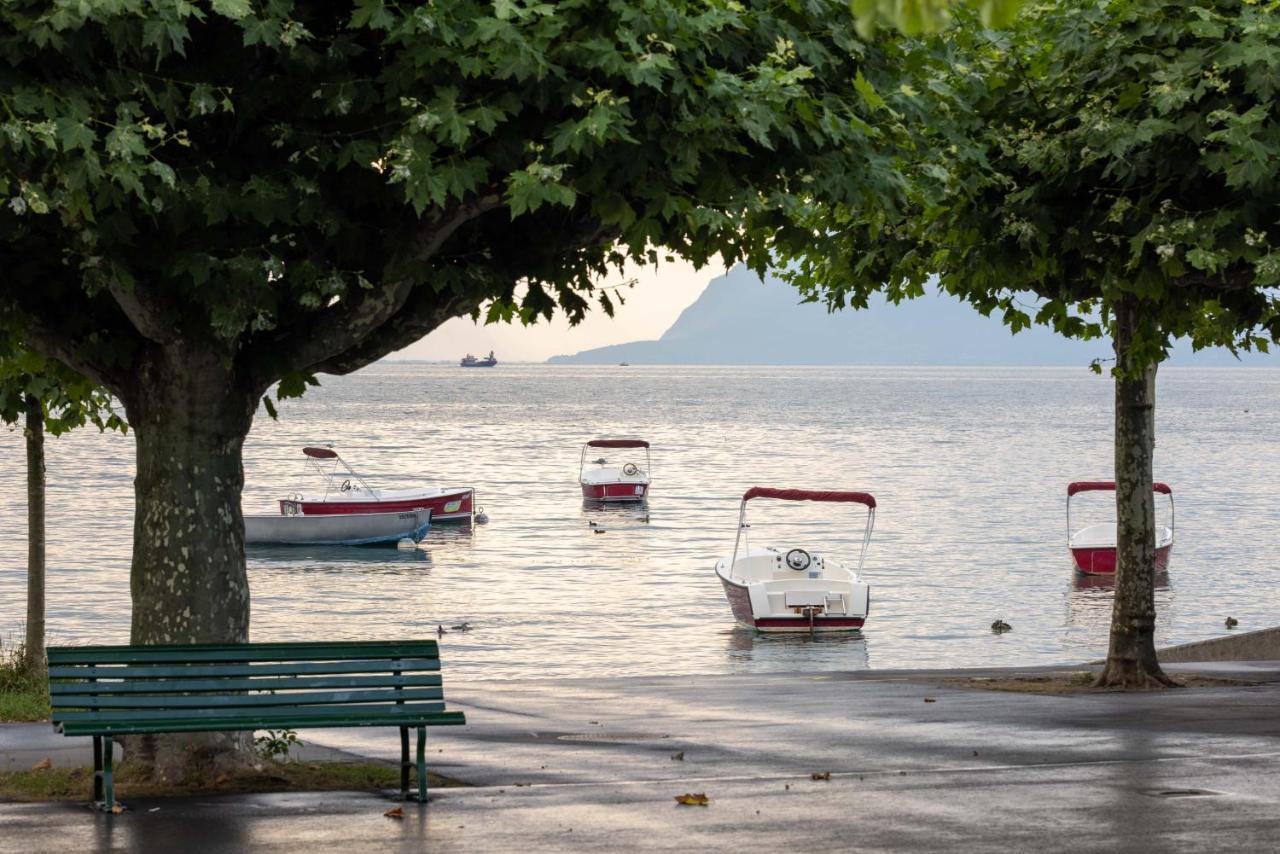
914, 765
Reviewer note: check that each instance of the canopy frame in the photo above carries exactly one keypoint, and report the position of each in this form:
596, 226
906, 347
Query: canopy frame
616, 443
823, 496
1076, 487
334, 470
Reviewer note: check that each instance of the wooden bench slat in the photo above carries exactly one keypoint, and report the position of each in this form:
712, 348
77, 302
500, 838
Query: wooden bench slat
237, 700
149, 671
269, 683
379, 712
73, 728
242, 652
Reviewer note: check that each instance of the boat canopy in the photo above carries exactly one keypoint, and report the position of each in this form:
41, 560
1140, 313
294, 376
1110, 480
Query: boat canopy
320, 453
810, 495
1108, 486
617, 443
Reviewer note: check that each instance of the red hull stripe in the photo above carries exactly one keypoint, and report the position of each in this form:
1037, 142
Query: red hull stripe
1102, 561
803, 622
444, 508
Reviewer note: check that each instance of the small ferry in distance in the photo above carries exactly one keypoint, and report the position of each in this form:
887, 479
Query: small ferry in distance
470, 361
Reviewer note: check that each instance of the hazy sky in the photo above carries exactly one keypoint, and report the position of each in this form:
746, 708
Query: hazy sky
652, 305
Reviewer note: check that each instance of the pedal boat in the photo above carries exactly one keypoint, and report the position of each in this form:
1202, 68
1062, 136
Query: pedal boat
777, 590
614, 482
1093, 548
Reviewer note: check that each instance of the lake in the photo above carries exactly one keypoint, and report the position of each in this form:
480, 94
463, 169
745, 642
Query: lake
969, 467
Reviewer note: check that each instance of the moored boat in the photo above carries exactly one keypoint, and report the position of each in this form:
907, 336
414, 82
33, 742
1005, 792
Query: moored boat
345, 529
345, 491
796, 590
614, 482
1093, 547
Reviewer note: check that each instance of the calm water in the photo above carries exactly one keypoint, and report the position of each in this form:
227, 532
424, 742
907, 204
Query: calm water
969, 466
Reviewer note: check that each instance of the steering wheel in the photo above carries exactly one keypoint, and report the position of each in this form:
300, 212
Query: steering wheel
798, 559
346, 486
631, 469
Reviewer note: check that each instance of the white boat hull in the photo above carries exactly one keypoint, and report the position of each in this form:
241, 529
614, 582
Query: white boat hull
797, 603
347, 529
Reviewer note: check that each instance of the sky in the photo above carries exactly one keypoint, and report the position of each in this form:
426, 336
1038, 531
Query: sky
657, 299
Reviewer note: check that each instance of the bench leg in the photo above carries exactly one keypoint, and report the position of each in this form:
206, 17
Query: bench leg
404, 763
97, 770
422, 765
108, 785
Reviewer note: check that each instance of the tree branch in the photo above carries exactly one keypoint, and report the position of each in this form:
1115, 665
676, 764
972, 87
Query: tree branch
344, 326
144, 314
54, 344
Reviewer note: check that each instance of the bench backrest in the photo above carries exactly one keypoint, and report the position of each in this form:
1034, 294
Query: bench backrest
121, 689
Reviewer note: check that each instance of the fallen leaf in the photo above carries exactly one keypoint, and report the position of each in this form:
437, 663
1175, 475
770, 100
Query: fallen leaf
678, 756
694, 799
820, 775
220, 779
116, 809
43, 765
395, 812
154, 809
930, 700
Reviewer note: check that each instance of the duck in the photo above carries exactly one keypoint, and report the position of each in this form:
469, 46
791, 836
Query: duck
1232, 622
440, 632
1000, 626
464, 626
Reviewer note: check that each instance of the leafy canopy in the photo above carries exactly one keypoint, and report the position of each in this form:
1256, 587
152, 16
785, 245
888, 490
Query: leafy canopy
1093, 151
302, 187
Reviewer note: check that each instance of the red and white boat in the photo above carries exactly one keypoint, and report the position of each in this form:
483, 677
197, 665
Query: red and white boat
1093, 548
614, 482
345, 491
796, 590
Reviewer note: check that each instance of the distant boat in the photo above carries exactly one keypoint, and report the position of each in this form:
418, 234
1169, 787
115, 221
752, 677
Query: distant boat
624, 364
470, 361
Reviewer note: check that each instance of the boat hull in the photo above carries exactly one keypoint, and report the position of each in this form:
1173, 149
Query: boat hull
739, 596
1101, 560
615, 492
354, 529
450, 507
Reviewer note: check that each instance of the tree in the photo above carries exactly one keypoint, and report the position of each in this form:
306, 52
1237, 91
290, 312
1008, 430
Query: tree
44, 395
1102, 167
218, 198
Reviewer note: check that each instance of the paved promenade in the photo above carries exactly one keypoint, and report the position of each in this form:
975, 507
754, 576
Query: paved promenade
915, 765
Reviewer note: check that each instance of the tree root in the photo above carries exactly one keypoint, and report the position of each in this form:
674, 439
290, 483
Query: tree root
1129, 675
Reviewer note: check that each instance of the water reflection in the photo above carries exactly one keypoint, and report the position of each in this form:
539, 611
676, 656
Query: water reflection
751, 650
1090, 598
334, 555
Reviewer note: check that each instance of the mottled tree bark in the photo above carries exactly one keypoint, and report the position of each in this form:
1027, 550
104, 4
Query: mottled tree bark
190, 413
1131, 658
34, 648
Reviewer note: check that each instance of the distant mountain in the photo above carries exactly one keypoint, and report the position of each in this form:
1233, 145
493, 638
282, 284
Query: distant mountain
741, 319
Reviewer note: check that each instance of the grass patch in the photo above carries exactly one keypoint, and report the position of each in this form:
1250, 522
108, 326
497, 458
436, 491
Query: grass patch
24, 695
1076, 682
76, 784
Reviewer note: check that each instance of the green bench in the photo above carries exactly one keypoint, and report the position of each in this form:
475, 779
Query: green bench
110, 691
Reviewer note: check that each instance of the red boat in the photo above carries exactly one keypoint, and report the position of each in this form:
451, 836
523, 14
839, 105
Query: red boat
614, 482
1093, 548
347, 492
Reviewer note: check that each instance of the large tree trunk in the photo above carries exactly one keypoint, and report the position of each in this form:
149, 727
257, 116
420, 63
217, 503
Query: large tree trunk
34, 649
190, 414
1131, 659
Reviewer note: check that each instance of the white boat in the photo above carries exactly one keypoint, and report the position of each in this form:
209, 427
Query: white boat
336, 529
617, 481
345, 491
795, 590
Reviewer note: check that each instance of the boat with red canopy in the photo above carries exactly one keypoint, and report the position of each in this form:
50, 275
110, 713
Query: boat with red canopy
1093, 547
614, 481
345, 491
773, 589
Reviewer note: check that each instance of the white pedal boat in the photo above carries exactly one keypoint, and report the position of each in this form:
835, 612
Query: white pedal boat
795, 590
1093, 547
